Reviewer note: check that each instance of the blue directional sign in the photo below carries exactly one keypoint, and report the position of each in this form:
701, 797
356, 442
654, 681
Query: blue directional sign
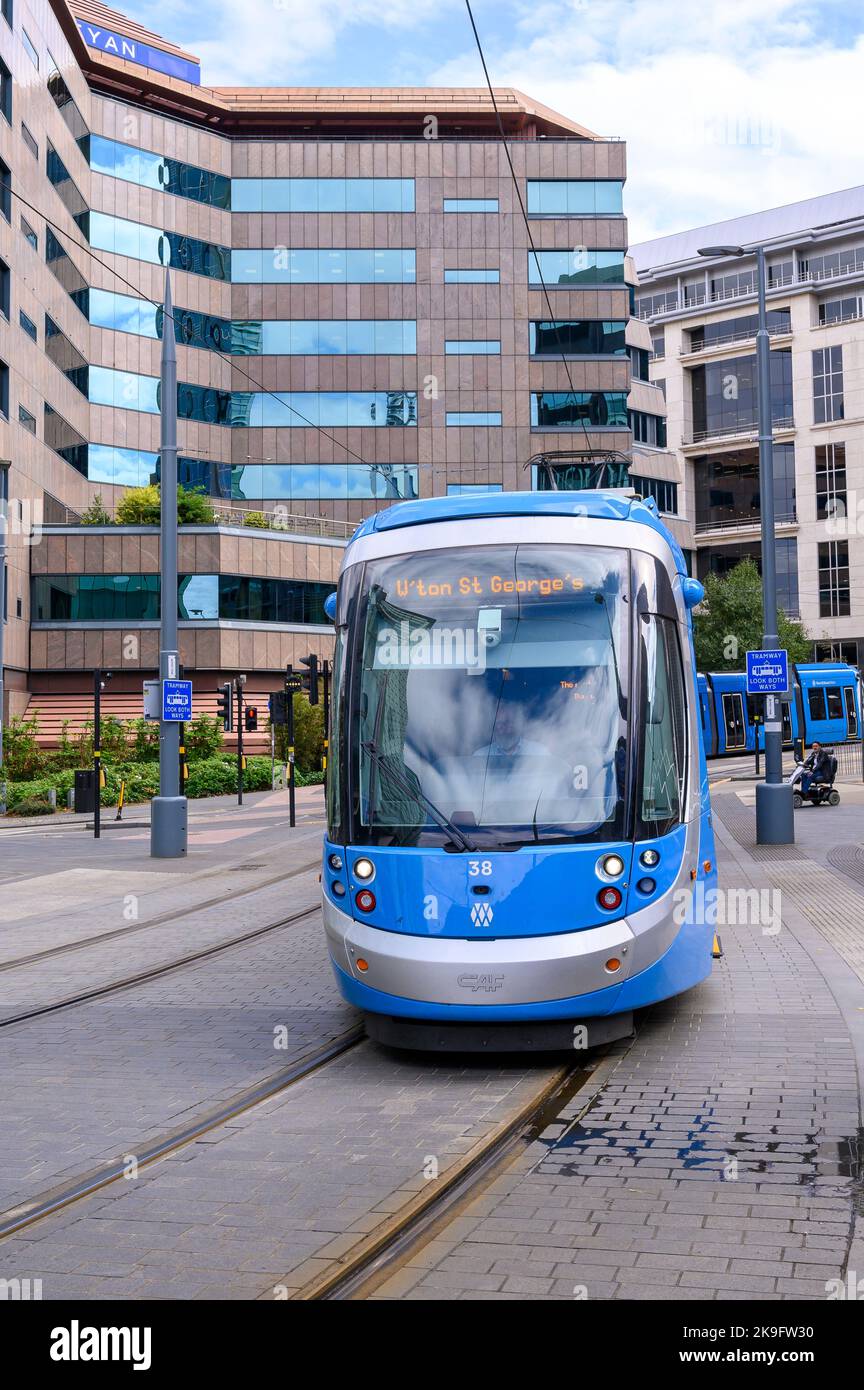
767, 673
177, 700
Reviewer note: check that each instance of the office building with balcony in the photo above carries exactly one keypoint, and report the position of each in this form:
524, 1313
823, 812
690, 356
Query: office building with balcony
360, 319
702, 317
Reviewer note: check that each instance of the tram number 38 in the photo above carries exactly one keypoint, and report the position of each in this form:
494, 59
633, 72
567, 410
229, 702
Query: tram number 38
476, 867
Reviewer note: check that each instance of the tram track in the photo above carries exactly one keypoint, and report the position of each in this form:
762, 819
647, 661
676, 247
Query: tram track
52, 1200
159, 921
143, 976
385, 1250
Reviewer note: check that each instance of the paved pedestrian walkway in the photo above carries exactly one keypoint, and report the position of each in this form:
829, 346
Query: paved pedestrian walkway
722, 1155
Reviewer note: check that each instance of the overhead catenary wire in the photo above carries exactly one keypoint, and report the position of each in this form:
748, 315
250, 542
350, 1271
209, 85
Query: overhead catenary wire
592, 451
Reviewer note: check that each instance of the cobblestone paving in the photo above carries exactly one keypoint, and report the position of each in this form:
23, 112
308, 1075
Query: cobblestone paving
722, 1157
89, 1083
263, 1204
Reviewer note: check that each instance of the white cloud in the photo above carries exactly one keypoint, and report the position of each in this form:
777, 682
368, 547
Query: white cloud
725, 109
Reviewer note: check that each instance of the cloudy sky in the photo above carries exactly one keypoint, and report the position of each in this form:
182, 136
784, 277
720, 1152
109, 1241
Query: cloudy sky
727, 106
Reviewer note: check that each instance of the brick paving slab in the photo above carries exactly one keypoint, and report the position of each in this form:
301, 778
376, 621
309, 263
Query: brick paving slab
98, 1081
725, 1136
320, 1159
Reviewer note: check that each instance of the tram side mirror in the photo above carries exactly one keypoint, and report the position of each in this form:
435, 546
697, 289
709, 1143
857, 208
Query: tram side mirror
330, 606
691, 591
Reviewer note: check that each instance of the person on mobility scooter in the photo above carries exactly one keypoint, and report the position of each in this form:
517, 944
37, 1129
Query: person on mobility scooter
813, 779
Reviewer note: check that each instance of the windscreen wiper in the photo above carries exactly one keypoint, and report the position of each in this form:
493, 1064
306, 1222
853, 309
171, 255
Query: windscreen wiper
460, 839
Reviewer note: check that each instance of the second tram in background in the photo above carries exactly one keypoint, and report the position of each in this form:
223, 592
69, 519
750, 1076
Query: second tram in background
824, 705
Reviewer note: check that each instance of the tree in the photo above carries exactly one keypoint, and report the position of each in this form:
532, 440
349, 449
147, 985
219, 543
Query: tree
728, 623
142, 506
96, 514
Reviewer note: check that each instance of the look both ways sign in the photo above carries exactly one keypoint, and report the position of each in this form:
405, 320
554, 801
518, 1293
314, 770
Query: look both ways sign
177, 701
767, 673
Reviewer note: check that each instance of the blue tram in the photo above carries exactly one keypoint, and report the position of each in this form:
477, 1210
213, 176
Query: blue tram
823, 704
519, 841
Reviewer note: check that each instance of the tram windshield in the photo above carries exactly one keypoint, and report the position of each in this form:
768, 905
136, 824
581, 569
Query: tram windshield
492, 696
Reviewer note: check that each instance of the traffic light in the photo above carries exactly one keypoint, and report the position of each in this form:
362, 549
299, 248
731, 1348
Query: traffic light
278, 703
293, 680
311, 681
225, 707
251, 718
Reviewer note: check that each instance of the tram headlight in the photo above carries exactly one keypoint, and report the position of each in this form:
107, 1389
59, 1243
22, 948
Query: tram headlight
364, 869
646, 885
649, 858
335, 862
609, 898
611, 866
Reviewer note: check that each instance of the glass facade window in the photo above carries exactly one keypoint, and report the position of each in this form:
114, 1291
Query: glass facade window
827, 385
5, 91
30, 49
470, 204
64, 440
832, 264
5, 191
274, 482
473, 417
738, 329
575, 198
126, 390
839, 310
727, 487
724, 394
67, 189
63, 100
26, 420
201, 598
648, 429
737, 282
280, 266
66, 271
694, 291
107, 463
29, 234
577, 338
665, 493
830, 481
30, 140
327, 337
472, 489
332, 409
145, 243
65, 356
569, 409
578, 267
639, 364
658, 342
472, 276
322, 195
720, 560
834, 580
650, 304
157, 171
467, 347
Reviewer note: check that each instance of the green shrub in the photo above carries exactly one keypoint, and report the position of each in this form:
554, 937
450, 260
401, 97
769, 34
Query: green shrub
139, 507
144, 742
257, 520
308, 735
204, 736
142, 506
96, 514
31, 806
22, 756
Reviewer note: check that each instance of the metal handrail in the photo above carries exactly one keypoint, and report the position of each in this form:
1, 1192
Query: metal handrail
744, 432
740, 337
742, 523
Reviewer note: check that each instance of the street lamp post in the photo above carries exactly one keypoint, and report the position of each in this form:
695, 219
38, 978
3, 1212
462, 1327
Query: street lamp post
168, 810
775, 819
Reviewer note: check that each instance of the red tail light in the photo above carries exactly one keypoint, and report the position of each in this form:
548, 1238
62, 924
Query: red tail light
365, 900
609, 898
